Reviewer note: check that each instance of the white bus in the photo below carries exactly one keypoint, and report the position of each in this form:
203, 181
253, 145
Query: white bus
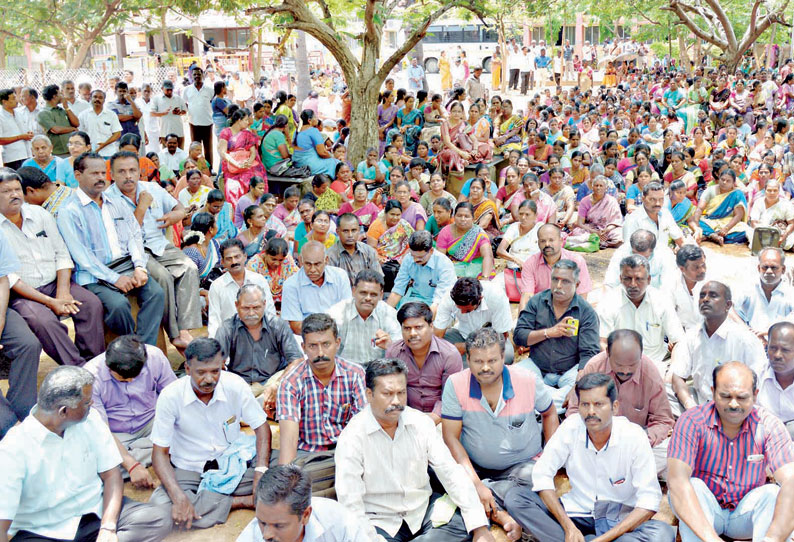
477, 40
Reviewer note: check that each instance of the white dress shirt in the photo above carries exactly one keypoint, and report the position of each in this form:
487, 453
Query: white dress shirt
494, 309
150, 123
50, 482
654, 319
99, 128
172, 161
759, 313
666, 229
357, 334
687, 305
774, 398
383, 481
38, 245
79, 106
698, 354
622, 471
196, 432
662, 264
12, 125
169, 123
223, 296
199, 106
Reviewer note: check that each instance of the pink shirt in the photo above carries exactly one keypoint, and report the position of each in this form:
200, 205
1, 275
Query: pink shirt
536, 274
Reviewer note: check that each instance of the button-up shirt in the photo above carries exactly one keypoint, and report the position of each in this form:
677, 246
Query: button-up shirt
50, 482
127, 126
38, 245
196, 432
494, 309
654, 320
169, 123
642, 398
536, 273
665, 230
321, 411
383, 481
128, 406
223, 296
98, 236
622, 471
774, 398
429, 283
54, 201
256, 361
426, 383
558, 355
199, 104
730, 468
357, 334
79, 106
99, 128
172, 161
329, 522
301, 297
686, 304
512, 423
662, 264
10, 126
162, 203
697, 356
29, 121
364, 257
51, 117
759, 313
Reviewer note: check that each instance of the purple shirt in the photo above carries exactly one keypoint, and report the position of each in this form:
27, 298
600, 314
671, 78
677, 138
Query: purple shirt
426, 385
128, 406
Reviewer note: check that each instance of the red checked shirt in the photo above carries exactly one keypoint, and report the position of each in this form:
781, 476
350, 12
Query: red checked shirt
321, 411
730, 468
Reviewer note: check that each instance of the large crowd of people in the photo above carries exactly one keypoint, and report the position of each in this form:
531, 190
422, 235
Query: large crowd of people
365, 310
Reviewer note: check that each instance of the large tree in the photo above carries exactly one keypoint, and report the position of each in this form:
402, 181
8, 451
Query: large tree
732, 27
329, 21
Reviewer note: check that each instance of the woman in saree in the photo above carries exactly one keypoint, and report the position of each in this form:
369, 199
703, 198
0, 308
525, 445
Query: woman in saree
194, 194
731, 144
455, 154
496, 70
310, 148
466, 244
756, 187
681, 207
700, 144
287, 211
387, 114
389, 235
284, 105
678, 172
275, 148
644, 175
343, 181
539, 152
578, 172
508, 195
437, 190
78, 143
253, 236
696, 98
444, 70
203, 249
268, 204
564, 198
546, 210
238, 148
785, 100
361, 206
218, 207
486, 213
722, 211
442, 215
320, 232
507, 135
408, 123
412, 212
599, 213
480, 135
43, 159
772, 211
276, 264
255, 191
520, 240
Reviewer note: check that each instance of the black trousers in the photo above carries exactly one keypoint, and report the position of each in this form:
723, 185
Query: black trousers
513, 79
16, 164
203, 134
22, 349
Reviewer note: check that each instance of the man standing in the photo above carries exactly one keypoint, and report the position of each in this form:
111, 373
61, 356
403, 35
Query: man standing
514, 63
170, 109
642, 398
196, 422
70, 100
416, 75
151, 125
223, 291
58, 123
367, 325
770, 299
475, 89
561, 330
128, 379
315, 288
643, 308
197, 98
654, 217
382, 478
542, 63
60, 473
614, 490
718, 460
527, 69
429, 360
493, 402
717, 340
156, 210
13, 135
102, 126
426, 276
536, 271
567, 55
42, 290
28, 111
105, 242
348, 253
126, 110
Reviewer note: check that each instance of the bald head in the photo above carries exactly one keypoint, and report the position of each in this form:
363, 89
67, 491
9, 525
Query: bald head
313, 260
642, 242
312, 249
734, 375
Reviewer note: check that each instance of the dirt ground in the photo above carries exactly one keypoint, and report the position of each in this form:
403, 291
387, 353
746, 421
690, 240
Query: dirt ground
597, 264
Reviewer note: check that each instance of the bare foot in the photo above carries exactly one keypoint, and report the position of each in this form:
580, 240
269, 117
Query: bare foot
511, 527
182, 341
246, 502
716, 238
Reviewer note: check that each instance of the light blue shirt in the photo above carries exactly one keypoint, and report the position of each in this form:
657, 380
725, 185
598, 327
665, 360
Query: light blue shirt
81, 223
50, 482
415, 72
431, 282
162, 203
9, 262
758, 313
301, 297
329, 522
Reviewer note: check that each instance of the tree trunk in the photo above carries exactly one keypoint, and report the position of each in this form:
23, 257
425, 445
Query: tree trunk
682, 53
364, 116
302, 66
769, 47
80, 54
258, 55
2, 52
500, 31
164, 32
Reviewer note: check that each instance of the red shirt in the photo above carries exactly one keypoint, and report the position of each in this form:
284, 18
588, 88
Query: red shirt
536, 273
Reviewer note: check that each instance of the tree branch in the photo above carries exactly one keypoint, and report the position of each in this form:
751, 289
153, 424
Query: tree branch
722, 17
33, 41
676, 8
326, 13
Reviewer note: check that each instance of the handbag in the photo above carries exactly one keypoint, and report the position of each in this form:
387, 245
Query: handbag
512, 276
238, 156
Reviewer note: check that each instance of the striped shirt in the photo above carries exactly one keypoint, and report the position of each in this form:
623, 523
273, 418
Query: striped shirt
321, 411
730, 468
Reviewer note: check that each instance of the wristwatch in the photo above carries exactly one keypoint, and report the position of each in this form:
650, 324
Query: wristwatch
108, 527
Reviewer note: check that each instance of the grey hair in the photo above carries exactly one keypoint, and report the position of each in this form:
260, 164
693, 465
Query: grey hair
288, 484
775, 249
251, 288
63, 387
601, 178
567, 264
483, 338
598, 169
41, 137
634, 261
